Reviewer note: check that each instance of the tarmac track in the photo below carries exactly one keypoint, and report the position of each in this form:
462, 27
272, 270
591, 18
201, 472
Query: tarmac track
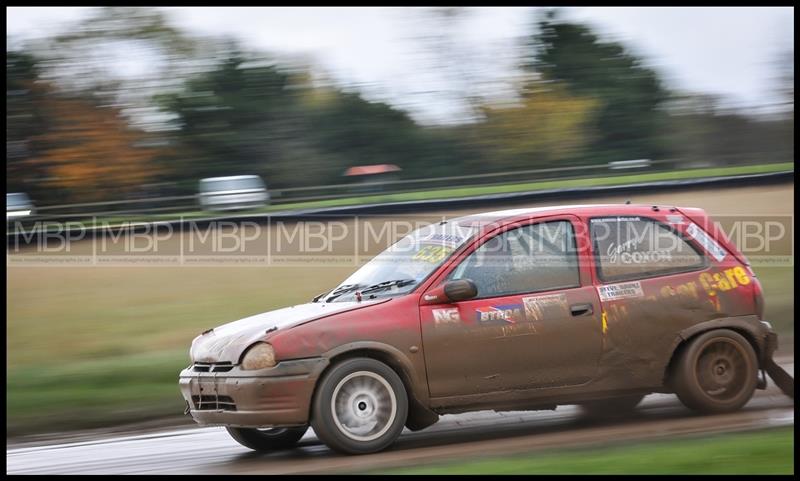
211, 451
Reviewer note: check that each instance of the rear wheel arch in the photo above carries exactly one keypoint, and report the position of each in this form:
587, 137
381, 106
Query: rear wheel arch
738, 325
716, 372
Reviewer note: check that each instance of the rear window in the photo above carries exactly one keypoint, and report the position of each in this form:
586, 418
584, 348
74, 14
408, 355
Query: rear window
231, 184
637, 247
16, 200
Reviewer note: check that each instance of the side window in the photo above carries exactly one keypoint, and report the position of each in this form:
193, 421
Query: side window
634, 247
532, 258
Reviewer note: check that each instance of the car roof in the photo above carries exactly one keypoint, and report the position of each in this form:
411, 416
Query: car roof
512, 215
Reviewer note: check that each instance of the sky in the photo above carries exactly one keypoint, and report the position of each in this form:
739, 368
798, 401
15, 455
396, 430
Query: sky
729, 51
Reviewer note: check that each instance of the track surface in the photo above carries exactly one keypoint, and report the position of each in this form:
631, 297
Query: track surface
212, 451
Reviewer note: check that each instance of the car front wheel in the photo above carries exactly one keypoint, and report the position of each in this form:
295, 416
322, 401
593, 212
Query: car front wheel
265, 440
716, 373
360, 406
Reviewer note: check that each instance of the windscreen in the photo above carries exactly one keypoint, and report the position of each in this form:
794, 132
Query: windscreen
400, 268
220, 185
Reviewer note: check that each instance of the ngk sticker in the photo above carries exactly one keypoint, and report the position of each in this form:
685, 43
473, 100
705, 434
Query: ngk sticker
446, 316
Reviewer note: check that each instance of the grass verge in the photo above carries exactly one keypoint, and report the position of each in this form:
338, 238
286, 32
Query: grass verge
763, 452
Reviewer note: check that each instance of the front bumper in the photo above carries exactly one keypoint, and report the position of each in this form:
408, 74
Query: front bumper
275, 397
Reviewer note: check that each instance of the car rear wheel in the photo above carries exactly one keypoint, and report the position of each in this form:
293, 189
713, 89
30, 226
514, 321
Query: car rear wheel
360, 406
611, 408
716, 373
265, 440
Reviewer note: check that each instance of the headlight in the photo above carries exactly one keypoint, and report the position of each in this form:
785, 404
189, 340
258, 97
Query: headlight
259, 356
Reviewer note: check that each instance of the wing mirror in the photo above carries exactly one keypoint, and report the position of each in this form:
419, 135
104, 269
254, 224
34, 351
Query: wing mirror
451, 291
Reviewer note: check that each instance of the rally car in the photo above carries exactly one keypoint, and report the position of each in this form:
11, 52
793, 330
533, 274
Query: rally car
594, 305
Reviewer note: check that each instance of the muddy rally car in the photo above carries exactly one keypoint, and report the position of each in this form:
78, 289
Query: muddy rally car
595, 305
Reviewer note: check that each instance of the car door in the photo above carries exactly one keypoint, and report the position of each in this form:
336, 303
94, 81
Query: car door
534, 323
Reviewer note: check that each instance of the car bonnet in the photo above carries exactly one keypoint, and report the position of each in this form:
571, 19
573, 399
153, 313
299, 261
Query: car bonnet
226, 343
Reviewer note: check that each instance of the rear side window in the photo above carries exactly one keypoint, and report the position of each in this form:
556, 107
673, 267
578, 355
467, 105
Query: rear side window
638, 247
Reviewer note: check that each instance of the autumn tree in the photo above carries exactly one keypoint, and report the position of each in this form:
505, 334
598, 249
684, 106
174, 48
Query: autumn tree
91, 152
546, 127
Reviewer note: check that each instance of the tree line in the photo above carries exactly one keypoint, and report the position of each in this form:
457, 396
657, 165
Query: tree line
77, 133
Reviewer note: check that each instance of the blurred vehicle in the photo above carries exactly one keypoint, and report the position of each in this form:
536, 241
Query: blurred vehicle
18, 206
233, 193
514, 310
369, 178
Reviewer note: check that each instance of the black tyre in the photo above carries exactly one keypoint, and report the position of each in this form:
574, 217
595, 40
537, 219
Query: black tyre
717, 372
611, 408
265, 440
360, 406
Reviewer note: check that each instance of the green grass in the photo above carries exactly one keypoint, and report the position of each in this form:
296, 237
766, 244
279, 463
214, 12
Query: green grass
91, 347
94, 393
453, 193
764, 452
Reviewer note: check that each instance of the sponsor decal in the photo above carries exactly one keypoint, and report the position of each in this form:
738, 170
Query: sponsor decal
539, 308
626, 253
724, 281
675, 219
617, 219
451, 240
446, 316
433, 253
623, 290
510, 313
707, 242
708, 291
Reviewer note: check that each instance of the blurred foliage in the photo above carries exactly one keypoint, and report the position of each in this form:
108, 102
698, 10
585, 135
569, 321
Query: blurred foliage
253, 118
24, 121
629, 93
91, 150
85, 124
547, 127
68, 147
701, 132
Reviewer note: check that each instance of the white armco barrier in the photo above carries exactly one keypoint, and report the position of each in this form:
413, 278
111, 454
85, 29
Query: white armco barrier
630, 164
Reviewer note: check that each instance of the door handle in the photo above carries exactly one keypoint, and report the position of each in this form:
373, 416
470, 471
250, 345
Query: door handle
581, 309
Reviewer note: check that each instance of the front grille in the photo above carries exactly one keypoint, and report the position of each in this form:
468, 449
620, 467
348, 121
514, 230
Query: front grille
212, 367
213, 403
